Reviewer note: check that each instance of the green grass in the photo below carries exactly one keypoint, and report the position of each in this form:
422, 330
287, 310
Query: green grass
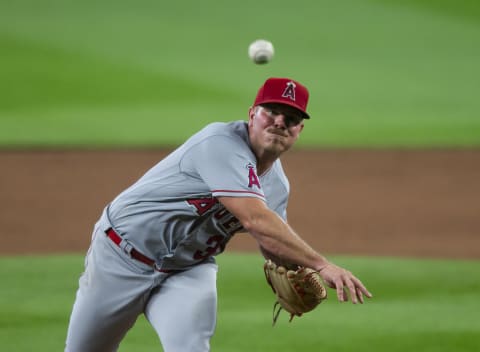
382, 73
418, 305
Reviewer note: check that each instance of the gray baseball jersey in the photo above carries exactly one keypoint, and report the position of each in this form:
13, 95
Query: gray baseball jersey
172, 213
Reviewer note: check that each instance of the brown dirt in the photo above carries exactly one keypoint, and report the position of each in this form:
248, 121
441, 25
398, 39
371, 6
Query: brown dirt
363, 202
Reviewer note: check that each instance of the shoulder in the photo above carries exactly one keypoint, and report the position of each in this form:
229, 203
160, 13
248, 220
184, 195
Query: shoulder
218, 143
222, 135
235, 129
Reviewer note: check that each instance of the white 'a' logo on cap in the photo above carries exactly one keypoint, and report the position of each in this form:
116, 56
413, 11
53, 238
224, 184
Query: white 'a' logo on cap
289, 91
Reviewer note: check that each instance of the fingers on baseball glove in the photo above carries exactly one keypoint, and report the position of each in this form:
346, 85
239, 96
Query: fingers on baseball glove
297, 291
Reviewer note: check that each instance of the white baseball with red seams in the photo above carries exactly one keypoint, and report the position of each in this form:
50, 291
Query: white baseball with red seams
261, 51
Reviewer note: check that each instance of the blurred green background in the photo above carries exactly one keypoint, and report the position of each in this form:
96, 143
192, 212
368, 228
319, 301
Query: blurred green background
381, 73
418, 305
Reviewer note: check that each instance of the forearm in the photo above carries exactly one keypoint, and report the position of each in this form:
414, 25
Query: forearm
280, 242
272, 233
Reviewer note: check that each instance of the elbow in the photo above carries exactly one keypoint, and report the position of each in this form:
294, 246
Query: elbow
252, 223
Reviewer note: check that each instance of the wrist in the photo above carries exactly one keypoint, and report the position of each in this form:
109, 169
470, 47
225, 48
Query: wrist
322, 265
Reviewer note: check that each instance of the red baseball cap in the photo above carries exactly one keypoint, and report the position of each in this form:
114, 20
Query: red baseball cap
284, 91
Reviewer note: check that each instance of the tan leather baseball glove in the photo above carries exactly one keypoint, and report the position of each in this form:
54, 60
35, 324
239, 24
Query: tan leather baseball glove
298, 291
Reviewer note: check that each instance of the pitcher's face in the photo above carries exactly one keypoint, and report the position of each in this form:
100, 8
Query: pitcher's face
274, 127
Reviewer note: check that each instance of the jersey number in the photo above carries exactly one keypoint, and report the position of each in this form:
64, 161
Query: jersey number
216, 242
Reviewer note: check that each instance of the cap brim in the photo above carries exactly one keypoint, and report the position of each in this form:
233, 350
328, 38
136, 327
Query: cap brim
278, 101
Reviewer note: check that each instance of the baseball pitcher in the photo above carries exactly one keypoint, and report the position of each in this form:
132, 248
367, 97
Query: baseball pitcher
153, 248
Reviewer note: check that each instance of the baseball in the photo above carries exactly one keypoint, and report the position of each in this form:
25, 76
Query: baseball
261, 51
